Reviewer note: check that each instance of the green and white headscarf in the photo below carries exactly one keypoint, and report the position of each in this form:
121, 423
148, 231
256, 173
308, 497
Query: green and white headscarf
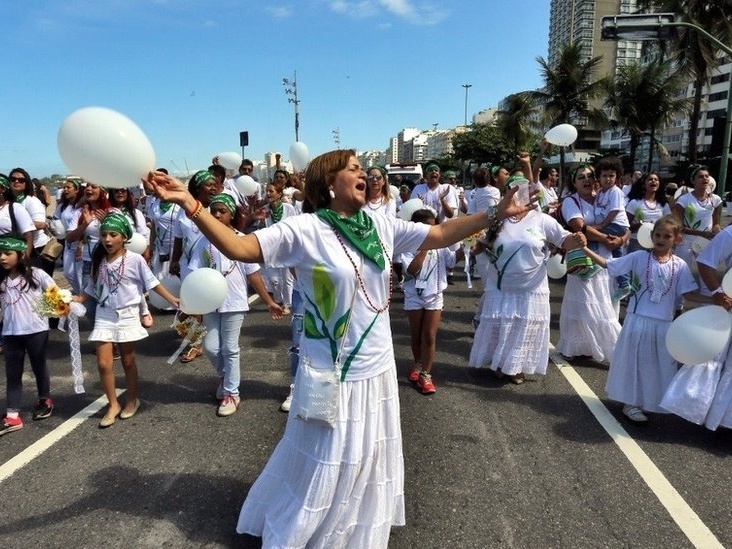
226, 200
201, 177
13, 244
117, 222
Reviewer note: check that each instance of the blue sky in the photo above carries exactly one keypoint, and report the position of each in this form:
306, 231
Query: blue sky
194, 73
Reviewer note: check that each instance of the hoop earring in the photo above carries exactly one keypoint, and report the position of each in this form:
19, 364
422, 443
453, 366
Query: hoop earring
331, 193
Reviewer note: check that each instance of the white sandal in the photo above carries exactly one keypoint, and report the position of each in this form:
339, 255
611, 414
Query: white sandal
634, 414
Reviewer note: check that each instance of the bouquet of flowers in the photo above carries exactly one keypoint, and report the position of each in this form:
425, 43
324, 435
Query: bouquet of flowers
54, 302
470, 241
190, 330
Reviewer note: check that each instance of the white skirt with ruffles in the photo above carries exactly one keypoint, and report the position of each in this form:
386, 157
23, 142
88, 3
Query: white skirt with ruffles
334, 487
117, 325
513, 334
588, 321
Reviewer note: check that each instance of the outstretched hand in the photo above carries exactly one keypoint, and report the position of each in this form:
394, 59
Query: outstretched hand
168, 188
507, 207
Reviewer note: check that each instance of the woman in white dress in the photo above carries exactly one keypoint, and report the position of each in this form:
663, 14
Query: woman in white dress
339, 486
66, 211
646, 204
23, 193
512, 337
379, 199
700, 212
588, 321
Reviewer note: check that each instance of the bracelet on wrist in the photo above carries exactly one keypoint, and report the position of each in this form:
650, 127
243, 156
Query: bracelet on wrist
196, 211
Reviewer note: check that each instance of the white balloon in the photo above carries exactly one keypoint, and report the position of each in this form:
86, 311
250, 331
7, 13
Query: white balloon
394, 190
562, 135
246, 185
105, 147
137, 243
727, 283
712, 185
699, 335
229, 160
699, 244
409, 207
202, 291
556, 267
299, 156
170, 283
644, 235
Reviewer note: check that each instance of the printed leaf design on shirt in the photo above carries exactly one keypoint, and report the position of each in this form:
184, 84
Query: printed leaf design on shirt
207, 259
494, 259
324, 289
339, 330
639, 215
635, 287
690, 218
310, 326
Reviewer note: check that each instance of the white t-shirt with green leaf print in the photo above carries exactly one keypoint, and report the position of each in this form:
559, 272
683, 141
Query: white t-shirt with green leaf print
327, 279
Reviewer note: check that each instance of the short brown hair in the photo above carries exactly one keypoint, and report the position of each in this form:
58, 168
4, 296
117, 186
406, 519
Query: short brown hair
320, 175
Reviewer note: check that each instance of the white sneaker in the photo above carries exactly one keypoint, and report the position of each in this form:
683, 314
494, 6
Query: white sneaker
228, 406
285, 406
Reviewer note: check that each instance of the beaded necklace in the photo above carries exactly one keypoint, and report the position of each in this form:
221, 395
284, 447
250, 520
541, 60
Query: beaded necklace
360, 279
213, 264
652, 206
112, 278
17, 288
378, 204
649, 282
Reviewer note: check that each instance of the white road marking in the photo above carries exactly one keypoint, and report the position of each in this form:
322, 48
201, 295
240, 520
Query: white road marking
43, 444
684, 516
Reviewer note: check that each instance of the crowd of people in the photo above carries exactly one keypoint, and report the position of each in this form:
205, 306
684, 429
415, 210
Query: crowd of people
327, 248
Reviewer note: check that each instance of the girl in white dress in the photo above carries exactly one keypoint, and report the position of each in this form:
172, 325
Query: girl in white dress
641, 368
280, 279
118, 279
223, 326
425, 281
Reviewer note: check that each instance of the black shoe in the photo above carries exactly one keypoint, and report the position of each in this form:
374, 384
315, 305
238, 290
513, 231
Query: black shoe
44, 409
450, 280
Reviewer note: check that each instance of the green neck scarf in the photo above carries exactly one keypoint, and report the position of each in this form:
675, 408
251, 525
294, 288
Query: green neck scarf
165, 206
276, 211
19, 198
359, 231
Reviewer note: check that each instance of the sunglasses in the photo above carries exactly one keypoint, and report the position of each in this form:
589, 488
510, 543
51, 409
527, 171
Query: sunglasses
374, 178
19, 179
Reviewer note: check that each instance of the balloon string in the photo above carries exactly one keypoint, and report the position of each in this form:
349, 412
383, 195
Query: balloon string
466, 249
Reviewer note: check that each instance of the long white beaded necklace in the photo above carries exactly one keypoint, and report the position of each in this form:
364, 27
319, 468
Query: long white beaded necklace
361, 284
656, 295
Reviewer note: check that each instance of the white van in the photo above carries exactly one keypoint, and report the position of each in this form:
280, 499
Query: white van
409, 174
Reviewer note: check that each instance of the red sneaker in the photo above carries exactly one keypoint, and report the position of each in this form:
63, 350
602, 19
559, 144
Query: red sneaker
425, 384
414, 371
10, 424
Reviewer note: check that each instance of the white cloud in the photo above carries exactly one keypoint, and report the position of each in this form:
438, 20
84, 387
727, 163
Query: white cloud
406, 10
280, 12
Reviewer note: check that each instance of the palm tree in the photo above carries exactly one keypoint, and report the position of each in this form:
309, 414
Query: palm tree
694, 54
569, 89
643, 98
517, 118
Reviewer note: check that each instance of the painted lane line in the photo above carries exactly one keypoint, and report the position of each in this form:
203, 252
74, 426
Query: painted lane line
683, 515
37, 448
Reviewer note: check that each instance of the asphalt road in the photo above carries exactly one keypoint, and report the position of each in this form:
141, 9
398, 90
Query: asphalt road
488, 464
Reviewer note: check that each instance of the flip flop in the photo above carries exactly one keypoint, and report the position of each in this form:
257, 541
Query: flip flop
192, 354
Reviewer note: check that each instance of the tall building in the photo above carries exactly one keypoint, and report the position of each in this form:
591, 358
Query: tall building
578, 22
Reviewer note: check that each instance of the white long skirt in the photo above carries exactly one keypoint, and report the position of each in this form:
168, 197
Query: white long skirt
720, 411
513, 334
641, 368
334, 487
691, 391
588, 321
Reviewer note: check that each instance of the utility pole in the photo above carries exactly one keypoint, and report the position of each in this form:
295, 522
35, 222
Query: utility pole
291, 89
467, 87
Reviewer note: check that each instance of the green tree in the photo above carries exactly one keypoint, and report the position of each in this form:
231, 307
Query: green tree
518, 118
483, 143
569, 90
643, 98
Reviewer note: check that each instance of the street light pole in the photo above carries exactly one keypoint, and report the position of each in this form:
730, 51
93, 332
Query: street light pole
291, 89
467, 87
655, 27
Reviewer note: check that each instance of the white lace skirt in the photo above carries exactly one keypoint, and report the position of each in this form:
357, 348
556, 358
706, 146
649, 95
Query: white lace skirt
720, 410
690, 393
588, 321
513, 334
641, 368
118, 325
334, 487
